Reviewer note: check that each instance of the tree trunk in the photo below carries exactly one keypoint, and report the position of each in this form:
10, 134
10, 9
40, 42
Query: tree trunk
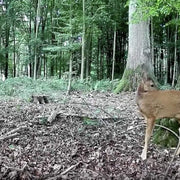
71, 53
139, 54
70, 75
7, 53
89, 54
98, 57
175, 56
114, 53
152, 42
7, 46
14, 49
36, 36
83, 43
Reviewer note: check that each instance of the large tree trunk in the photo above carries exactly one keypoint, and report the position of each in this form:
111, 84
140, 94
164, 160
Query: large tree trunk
139, 54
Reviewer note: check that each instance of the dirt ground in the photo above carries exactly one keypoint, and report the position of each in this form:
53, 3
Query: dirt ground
81, 136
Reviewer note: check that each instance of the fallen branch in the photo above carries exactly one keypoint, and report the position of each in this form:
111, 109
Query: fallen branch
5, 137
69, 169
16, 130
16, 169
13, 133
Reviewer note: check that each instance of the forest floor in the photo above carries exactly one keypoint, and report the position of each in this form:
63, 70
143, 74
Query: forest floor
81, 136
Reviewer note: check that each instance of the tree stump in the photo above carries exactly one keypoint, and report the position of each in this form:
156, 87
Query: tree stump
39, 99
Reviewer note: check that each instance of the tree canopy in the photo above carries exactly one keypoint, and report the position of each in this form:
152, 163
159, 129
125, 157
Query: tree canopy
38, 38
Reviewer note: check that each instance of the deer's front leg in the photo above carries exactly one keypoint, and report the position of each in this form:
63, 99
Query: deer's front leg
149, 128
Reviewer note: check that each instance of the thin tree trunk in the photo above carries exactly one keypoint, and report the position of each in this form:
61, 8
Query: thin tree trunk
175, 55
114, 53
165, 66
70, 75
14, 53
6, 46
83, 43
7, 53
98, 57
89, 55
36, 36
152, 42
70, 60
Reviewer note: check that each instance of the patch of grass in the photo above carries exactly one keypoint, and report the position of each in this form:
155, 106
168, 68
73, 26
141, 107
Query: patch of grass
90, 122
24, 87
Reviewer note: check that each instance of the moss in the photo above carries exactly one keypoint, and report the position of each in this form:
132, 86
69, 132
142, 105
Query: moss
129, 80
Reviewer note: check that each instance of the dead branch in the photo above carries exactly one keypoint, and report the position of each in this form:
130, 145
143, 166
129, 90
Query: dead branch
175, 153
13, 133
65, 172
16, 130
69, 169
15, 169
8, 136
53, 116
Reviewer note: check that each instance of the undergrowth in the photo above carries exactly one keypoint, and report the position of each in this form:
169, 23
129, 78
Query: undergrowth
24, 87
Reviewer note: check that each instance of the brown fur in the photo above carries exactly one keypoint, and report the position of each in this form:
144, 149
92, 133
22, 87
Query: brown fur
155, 104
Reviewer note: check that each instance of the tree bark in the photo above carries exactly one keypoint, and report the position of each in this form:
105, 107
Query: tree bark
139, 54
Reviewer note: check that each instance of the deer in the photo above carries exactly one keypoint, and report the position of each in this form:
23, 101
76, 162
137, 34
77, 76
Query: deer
156, 104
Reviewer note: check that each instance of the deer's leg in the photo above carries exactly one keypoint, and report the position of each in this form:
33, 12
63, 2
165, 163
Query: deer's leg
149, 128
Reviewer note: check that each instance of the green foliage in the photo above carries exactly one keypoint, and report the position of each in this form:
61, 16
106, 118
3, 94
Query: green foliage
90, 122
24, 87
154, 8
164, 137
166, 87
105, 85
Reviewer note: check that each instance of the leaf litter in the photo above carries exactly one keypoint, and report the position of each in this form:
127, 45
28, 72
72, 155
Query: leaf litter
89, 136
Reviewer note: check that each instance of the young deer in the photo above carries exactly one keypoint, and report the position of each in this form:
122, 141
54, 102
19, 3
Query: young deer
155, 104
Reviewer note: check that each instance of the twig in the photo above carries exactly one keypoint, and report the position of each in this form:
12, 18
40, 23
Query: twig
168, 130
16, 130
8, 136
65, 172
69, 169
13, 133
132, 128
16, 169
175, 153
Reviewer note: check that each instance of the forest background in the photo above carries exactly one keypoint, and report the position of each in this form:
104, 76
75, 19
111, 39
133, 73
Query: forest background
83, 40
